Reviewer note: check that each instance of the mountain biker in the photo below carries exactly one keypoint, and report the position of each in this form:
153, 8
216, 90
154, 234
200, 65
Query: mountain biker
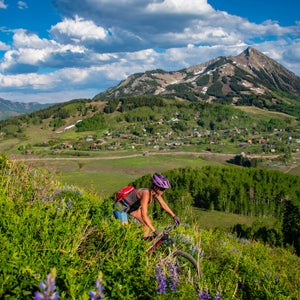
144, 197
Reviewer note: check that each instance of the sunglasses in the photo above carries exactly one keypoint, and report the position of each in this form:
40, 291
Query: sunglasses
161, 189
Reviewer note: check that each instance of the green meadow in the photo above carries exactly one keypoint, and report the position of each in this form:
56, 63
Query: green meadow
106, 174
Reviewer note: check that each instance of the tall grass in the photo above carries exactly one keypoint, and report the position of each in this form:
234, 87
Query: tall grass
44, 225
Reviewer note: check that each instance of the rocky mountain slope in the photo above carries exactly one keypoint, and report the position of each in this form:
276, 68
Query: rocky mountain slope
248, 78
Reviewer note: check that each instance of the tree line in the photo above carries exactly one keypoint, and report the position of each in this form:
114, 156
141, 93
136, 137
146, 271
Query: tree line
245, 191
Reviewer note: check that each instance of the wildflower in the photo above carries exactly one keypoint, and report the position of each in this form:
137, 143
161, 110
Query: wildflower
241, 285
161, 278
99, 289
203, 295
217, 297
69, 205
174, 279
47, 288
193, 249
57, 192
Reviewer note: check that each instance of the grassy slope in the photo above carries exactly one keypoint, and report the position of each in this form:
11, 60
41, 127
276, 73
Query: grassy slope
105, 176
263, 113
41, 231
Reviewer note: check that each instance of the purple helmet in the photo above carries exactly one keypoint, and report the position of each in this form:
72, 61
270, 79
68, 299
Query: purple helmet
161, 181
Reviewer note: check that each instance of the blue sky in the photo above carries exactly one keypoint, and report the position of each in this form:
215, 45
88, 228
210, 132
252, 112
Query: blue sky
59, 50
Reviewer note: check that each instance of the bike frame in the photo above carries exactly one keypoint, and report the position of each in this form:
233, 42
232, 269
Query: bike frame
165, 237
160, 239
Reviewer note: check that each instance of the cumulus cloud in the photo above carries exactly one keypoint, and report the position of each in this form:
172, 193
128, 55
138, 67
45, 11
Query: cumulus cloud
192, 7
78, 30
3, 46
22, 5
163, 24
2, 4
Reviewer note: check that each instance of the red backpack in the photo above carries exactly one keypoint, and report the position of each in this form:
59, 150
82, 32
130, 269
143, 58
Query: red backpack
127, 194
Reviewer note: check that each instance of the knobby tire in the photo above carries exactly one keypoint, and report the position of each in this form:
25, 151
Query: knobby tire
190, 258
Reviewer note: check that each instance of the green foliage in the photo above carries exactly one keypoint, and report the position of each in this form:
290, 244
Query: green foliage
111, 106
203, 80
242, 160
11, 130
237, 86
130, 103
57, 122
45, 226
140, 114
167, 123
248, 191
96, 122
291, 225
183, 90
266, 234
215, 89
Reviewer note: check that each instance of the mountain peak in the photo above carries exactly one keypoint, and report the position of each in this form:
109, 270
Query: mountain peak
234, 79
255, 58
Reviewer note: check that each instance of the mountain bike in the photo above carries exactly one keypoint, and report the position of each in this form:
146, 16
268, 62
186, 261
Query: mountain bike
187, 267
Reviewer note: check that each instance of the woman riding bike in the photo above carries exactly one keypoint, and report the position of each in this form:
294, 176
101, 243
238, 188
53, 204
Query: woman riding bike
144, 197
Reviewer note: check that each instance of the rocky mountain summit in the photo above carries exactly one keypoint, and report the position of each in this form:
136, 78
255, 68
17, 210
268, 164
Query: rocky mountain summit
241, 79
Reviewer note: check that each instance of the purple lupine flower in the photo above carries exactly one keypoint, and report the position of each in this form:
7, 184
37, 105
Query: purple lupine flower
99, 289
193, 249
69, 205
203, 295
161, 278
57, 192
47, 288
174, 278
217, 297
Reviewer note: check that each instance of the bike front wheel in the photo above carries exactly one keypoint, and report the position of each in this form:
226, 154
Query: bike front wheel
188, 268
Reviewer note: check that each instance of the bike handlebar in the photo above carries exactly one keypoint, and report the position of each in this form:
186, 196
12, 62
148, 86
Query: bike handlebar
162, 237
169, 228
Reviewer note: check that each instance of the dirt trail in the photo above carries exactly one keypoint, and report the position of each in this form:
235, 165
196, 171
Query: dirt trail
224, 156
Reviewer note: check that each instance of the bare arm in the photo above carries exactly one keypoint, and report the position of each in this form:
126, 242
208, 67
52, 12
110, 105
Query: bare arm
144, 210
165, 206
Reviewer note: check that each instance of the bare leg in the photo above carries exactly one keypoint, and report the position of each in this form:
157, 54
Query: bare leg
138, 215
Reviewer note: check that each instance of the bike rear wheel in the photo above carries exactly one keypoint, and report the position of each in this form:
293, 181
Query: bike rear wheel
187, 266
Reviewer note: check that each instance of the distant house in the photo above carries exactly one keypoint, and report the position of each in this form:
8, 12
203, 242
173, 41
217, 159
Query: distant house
89, 138
93, 147
124, 136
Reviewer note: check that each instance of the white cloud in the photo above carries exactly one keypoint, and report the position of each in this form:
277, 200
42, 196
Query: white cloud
35, 81
25, 39
100, 42
22, 5
2, 4
179, 7
3, 46
78, 30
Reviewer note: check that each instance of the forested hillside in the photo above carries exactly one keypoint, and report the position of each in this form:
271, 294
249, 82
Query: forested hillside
149, 124
249, 191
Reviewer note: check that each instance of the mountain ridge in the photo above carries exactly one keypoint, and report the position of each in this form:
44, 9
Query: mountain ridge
232, 77
10, 109
250, 78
